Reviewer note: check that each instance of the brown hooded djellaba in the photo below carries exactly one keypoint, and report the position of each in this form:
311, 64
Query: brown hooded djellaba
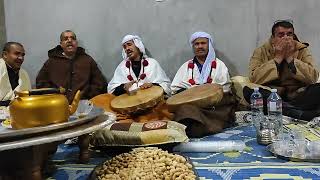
79, 73
263, 70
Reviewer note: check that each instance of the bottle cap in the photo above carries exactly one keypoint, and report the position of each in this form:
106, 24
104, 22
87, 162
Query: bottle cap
274, 90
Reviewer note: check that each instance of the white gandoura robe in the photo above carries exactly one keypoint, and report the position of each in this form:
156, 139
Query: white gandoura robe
154, 74
213, 69
153, 71
219, 75
6, 92
204, 121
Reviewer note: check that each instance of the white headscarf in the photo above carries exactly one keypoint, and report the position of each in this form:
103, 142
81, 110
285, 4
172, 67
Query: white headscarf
206, 68
137, 42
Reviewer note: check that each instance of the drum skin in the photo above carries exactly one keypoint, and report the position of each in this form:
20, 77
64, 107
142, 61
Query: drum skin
202, 96
140, 101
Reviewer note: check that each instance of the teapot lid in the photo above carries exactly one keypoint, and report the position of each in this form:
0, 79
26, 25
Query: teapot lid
41, 91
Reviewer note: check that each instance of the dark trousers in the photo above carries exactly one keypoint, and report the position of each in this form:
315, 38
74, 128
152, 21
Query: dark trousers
305, 106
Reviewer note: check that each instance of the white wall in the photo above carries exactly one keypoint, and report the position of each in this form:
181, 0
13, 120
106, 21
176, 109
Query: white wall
237, 26
2, 26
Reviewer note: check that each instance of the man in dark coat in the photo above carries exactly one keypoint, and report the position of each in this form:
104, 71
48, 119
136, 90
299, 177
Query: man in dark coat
70, 67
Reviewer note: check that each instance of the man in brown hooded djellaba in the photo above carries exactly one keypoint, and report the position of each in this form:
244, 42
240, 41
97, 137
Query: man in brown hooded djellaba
70, 67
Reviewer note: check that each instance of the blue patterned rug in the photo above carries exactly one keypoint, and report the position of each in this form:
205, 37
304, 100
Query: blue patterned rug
255, 162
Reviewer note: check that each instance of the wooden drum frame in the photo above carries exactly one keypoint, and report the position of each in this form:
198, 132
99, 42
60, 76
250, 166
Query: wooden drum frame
140, 101
202, 96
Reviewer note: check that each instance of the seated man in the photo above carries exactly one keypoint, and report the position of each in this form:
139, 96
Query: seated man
12, 76
143, 76
204, 68
286, 64
70, 67
136, 70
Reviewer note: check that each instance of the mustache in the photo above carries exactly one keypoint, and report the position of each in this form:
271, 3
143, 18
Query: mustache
19, 62
129, 51
200, 49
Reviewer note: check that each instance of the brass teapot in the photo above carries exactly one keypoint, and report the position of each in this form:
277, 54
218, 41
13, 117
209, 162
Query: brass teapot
40, 107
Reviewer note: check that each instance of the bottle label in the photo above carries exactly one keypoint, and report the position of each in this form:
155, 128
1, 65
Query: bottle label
272, 106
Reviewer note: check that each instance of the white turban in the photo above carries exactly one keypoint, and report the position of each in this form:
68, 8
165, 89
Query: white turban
206, 68
137, 42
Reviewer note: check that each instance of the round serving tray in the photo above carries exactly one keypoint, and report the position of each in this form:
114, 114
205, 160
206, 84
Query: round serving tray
8, 133
271, 149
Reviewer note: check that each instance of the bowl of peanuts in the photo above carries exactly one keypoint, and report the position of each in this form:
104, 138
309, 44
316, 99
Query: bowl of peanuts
146, 163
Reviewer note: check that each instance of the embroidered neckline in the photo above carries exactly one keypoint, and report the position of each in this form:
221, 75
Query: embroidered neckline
143, 75
191, 67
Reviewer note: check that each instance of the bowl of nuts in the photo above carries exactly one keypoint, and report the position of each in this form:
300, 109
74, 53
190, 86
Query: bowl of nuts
146, 163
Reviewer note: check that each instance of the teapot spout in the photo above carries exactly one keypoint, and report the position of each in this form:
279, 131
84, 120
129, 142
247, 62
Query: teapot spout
74, 105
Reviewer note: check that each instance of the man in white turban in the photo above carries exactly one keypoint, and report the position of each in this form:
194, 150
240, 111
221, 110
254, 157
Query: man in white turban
137, 70
204, 68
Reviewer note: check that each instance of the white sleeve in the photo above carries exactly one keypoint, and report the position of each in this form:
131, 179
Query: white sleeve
119, 77
25, 81
162, 79
180, 80
222, 77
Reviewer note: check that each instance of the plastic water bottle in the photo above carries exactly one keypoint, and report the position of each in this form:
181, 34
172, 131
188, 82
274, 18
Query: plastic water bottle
256, 101
275, 111
211, 146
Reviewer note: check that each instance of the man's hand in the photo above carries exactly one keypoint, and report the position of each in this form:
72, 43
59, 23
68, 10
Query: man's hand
128, 85
280, 49
146, 85
291, 49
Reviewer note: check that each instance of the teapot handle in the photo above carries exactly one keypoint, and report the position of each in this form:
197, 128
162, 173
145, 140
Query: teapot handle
46, 91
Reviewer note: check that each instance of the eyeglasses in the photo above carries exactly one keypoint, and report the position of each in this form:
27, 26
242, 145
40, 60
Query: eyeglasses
283, 20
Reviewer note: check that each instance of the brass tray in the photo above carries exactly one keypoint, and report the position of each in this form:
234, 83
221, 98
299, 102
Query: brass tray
308, 158
93, 175
8, 133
